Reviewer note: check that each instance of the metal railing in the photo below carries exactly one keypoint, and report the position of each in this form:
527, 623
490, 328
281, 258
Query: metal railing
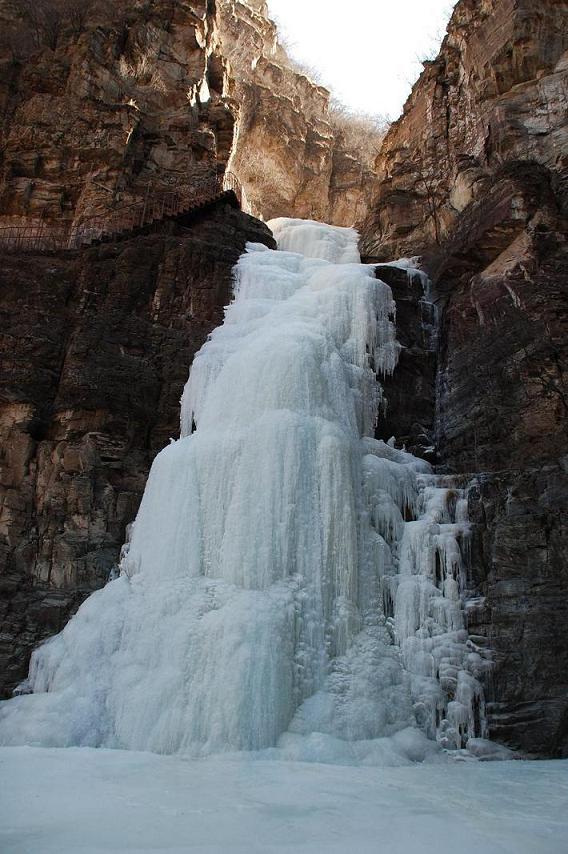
153, 207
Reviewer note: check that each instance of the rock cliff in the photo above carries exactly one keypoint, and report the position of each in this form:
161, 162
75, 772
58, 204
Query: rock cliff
495, 94
294, 153
106, 109
132, 97
474, 178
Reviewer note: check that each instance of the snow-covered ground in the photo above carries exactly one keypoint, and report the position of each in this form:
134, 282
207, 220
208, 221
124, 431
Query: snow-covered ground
87, 801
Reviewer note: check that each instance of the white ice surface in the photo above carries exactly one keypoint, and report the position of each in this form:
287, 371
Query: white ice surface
86, 801
250, 563
291, 584
316, 239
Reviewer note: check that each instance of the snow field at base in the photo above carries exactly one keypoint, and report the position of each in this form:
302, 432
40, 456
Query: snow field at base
291, 585
124, 802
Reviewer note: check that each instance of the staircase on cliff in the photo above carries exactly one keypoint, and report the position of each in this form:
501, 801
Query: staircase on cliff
147, 213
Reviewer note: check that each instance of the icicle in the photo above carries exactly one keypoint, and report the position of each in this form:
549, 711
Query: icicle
290, 580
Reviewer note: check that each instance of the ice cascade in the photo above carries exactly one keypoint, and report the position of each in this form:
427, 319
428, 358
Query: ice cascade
291, 583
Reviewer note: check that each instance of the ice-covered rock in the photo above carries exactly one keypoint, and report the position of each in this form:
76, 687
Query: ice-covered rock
290, 581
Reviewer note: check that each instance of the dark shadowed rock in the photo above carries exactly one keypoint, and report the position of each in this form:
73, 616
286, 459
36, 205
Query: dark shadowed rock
410, 393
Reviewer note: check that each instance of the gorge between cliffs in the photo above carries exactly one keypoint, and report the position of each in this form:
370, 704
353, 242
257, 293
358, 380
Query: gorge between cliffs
348, 551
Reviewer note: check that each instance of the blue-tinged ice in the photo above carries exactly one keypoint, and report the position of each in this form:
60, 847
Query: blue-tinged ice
291, 583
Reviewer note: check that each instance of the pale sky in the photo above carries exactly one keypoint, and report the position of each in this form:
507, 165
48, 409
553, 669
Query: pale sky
367, 51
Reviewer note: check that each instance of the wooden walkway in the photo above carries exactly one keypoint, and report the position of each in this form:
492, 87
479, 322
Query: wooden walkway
124, 222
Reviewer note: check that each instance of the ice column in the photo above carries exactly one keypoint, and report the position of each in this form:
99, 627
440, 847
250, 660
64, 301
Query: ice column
289, 579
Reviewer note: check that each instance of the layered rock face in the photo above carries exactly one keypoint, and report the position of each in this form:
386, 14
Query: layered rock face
99, 108
293, 158
502, 413
134, 97
98, 344
495, 94
121, 103
474, 178
96, 349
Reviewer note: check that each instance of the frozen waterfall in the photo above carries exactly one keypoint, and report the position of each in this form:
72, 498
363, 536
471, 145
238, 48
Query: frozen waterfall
292, 584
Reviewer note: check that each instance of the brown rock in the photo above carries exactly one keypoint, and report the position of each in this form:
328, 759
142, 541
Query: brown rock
290, 154
113, 109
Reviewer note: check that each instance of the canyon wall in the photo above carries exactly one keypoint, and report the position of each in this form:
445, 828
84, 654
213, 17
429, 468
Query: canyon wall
134, 97
98, 109
474, 178
97, 343
107, 109
295, 154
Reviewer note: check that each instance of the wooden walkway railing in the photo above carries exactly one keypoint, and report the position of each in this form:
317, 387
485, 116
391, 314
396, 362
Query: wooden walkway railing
154, 207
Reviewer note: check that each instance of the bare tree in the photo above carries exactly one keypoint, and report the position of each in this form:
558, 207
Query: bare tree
52, 23
29, 13
76, 13
362, 133
44, 19
431, 201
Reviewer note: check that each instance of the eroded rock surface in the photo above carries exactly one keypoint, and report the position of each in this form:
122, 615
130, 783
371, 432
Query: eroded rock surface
292, 157
495, 94
139, 98
111, 111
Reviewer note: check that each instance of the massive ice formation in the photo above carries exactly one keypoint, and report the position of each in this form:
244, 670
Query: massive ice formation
290, 580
